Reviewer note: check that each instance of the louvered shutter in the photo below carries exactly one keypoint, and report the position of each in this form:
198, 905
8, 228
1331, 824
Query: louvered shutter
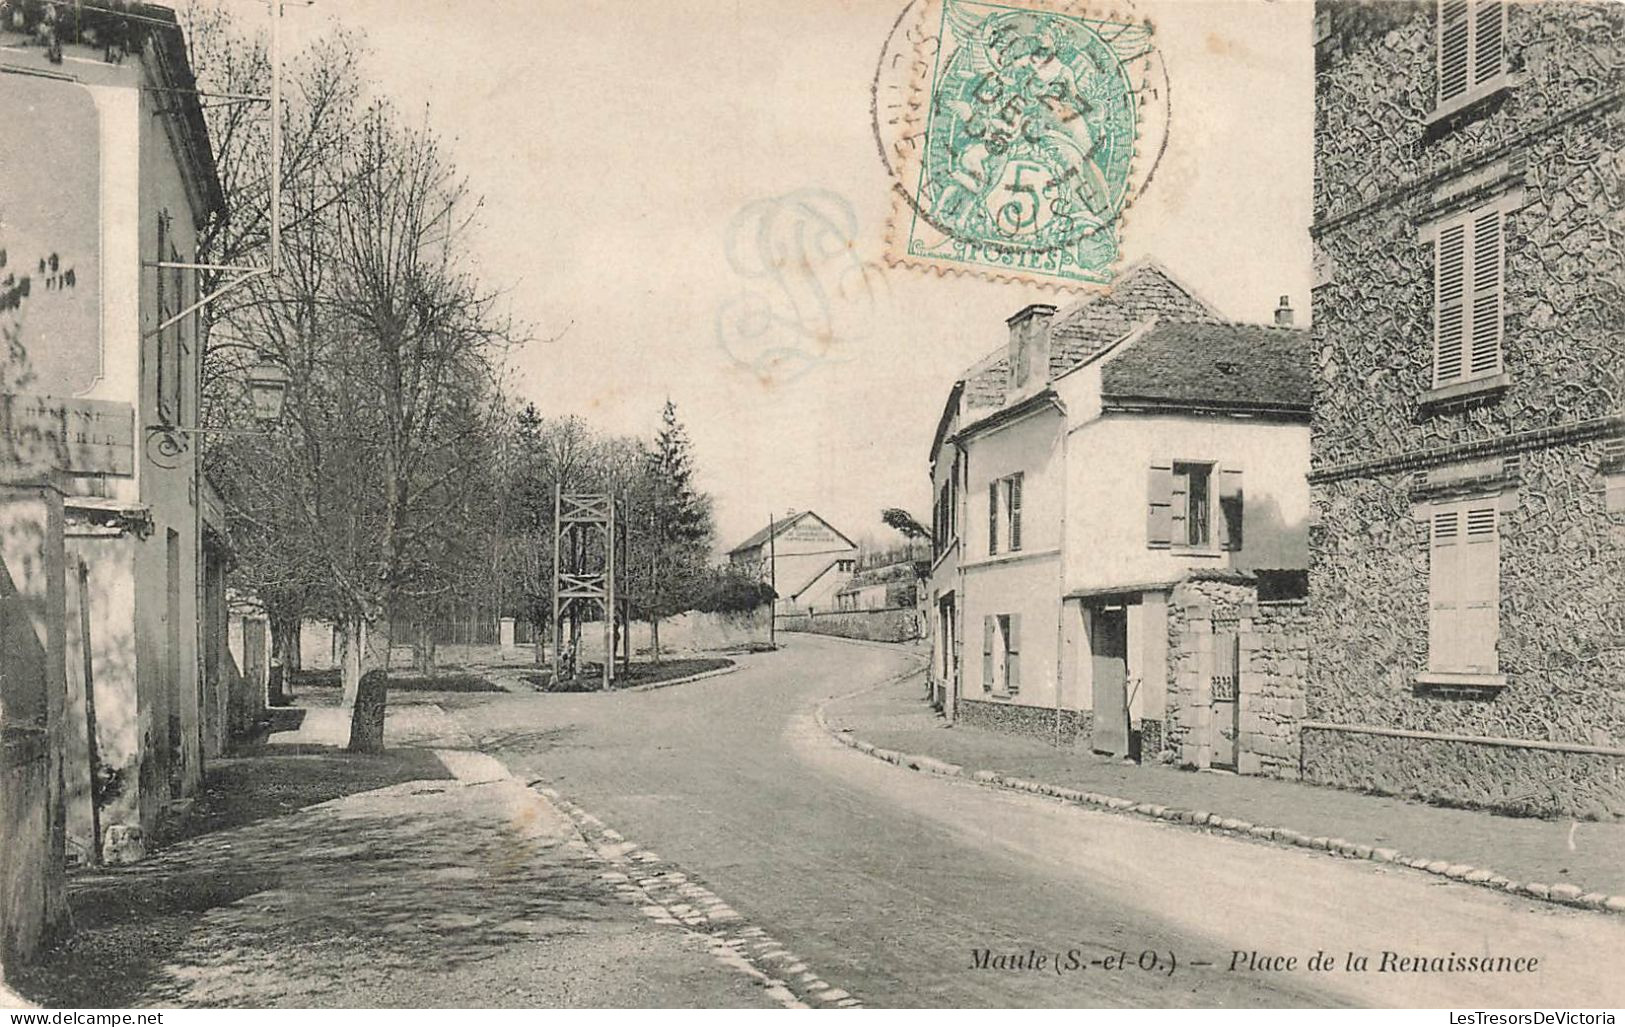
1454, 48
1012, 653
1489, 27
1480, 594
1015, 512
1450, 313
989, 629
1485, 334
1159, 490
992, 517
1231, 506
1444, 591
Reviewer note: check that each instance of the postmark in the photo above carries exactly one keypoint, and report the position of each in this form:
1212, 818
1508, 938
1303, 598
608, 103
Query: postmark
1021, 138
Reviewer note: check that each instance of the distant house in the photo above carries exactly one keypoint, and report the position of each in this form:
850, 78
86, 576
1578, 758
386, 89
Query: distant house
1109, 461
805, 557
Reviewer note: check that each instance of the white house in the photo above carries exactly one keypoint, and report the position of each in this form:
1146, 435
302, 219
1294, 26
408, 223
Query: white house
1101, 457
805, 557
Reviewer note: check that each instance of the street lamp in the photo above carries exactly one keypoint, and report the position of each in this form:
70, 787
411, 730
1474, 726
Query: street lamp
268, 389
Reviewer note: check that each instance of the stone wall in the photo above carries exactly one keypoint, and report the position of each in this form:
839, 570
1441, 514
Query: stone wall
1032, 721
1273, 657
1547, 144
1561, 646
1377, 167
894, 625
699, 632
1274, 674
1508, 779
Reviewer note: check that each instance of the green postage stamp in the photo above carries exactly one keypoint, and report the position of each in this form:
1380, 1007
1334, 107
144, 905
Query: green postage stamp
1025, 140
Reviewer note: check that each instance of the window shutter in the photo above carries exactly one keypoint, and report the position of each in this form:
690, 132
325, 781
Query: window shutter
1454, 49
1159, 511
1488, 31
992, 518
1480, 617
1179, 527
1230, 509
1012, 654
1444, 585
1015, 513
1449, 318
1486, 326
988, 631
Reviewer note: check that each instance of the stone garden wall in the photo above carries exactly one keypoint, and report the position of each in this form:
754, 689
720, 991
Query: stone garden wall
1273, 657
894, 625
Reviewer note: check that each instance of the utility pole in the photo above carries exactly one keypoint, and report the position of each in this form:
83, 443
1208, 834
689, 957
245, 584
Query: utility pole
772, 583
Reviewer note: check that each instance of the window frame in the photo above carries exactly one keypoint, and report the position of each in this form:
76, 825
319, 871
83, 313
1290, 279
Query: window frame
1463, 585
1183, 474
1465, 228
1476, 83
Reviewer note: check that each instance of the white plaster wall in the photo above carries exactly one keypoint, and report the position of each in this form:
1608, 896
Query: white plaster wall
1108, 462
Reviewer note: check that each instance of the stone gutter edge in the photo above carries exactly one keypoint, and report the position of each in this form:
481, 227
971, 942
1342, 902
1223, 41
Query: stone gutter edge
1562, 894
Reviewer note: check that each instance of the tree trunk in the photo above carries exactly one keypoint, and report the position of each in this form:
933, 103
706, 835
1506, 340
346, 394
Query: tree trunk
285, 641
423, 651
363, 647
654, 638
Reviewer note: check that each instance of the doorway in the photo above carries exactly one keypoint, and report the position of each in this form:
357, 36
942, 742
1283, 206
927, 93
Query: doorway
1226, 691
1108, 649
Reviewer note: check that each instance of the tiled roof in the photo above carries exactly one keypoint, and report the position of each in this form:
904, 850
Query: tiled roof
776, 528
1145, 293
1208, 363
782, 525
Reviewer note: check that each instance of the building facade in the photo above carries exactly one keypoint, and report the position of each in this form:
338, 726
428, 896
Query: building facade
804, 556
110, 179
1083, 474
1468, 619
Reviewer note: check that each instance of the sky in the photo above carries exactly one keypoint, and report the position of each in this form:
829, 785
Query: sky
634, 155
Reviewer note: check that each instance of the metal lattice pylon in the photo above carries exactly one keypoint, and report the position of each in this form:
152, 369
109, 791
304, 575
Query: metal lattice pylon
588, 552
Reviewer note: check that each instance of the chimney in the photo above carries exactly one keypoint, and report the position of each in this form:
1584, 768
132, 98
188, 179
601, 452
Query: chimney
1029, 347
1283, 313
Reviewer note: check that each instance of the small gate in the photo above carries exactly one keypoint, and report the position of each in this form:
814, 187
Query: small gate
1226, 691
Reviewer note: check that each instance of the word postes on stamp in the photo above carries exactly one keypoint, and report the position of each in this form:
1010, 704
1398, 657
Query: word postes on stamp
1019, 152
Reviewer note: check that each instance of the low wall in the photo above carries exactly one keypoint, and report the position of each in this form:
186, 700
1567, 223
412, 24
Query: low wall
900, 624
1509, 778
1032, 721
700, 632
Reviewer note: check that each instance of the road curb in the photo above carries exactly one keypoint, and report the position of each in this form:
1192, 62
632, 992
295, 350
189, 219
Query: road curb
1569, 895
717, 673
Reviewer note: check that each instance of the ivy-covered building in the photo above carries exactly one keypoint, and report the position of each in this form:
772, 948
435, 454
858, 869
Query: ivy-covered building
1468, 640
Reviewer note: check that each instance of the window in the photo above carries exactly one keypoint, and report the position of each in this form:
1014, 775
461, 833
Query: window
1191, 483
1193, 505
1468, 254
1464, 587
1001, 653
1004, 514
1472, 54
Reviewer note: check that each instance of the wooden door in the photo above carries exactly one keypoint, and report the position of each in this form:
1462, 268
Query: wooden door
1108, 648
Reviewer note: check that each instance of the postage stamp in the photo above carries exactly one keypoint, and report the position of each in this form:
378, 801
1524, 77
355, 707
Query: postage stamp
1021, 140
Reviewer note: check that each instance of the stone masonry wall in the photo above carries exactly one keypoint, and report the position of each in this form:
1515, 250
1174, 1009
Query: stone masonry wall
1561, 647
1031, 721
1273, 644
1274, 671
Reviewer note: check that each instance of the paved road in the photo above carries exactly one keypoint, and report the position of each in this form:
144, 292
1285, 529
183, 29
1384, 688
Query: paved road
886, 881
